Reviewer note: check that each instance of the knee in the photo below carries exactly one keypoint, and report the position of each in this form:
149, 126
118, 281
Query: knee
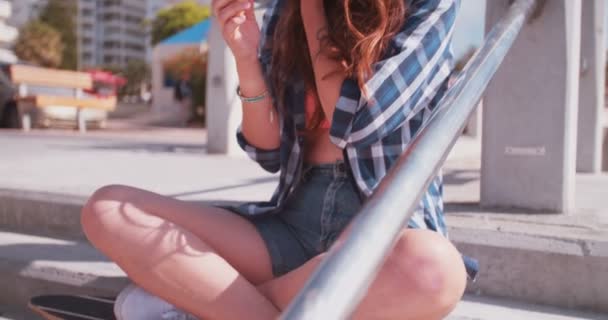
433, 266
101, 209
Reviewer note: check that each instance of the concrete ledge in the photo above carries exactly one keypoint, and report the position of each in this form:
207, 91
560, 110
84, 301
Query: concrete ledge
32, 265
50, 214
41, 213
572, 250
9, 313
544, 264
482, 308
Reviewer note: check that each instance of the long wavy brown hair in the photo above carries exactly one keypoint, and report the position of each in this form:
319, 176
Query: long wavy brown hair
357, 35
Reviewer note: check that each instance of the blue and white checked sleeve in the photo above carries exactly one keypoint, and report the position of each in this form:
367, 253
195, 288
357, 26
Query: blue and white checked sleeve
416, 65
269, 160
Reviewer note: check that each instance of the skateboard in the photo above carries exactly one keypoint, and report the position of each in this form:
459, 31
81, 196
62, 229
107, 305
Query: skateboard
73, 307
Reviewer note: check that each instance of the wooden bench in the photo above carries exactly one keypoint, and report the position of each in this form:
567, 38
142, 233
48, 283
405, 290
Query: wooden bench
28, 77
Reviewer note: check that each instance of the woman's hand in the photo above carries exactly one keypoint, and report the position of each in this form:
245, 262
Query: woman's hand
239, 27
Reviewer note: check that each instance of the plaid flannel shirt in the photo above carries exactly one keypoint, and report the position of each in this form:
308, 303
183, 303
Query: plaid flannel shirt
405, 87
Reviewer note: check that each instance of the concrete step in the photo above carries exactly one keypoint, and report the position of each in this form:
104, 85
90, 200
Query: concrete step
572, 249
471, 308
483, 308
10, 313
41, 213
549, 260
33, 265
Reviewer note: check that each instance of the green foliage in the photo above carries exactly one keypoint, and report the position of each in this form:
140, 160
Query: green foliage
174, 19
192, 64
136, 72
60, 14
40, 44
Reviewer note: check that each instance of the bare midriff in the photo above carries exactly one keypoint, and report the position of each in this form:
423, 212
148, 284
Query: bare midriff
318, 149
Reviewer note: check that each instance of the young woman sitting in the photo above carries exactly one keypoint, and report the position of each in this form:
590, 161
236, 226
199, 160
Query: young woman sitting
333, 93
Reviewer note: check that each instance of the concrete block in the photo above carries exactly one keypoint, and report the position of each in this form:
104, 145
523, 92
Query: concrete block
41, 213
11, 313
592, 87
605, 150
530, 114
473, 128
556, 271
485, 308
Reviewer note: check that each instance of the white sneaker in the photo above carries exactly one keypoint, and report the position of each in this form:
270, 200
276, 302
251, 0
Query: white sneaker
134, 303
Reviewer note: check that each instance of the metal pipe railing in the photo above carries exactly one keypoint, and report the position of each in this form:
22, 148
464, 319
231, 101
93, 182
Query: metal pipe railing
341, 281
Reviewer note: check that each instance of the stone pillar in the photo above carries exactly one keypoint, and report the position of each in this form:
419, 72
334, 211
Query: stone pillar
223, 105
530, 113
605, 148
592, 87
473, 128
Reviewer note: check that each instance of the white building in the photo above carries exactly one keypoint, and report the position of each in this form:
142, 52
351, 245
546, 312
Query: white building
8, 34
25, 10
111, 32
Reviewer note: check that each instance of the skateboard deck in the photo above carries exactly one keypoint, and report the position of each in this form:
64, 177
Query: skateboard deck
73, 307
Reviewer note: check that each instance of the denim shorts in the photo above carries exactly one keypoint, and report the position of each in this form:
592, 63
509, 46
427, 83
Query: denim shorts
314, 215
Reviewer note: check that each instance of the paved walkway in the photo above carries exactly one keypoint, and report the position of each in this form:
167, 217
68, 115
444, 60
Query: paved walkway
174, 162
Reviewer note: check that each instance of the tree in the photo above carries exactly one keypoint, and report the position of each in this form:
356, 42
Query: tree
192, 64
60, 14
40, 44
174, 19
136, 72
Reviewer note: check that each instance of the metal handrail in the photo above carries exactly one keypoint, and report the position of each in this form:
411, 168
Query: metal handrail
341, 281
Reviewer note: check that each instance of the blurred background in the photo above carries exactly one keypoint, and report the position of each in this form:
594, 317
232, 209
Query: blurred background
120, 42
142, 92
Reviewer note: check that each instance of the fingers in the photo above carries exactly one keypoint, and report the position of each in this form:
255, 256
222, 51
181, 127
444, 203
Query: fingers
229, 30
234, 11
233, 23
217, 5
250, 13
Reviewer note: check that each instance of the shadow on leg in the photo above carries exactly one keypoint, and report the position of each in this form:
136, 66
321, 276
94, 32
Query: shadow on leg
138, 230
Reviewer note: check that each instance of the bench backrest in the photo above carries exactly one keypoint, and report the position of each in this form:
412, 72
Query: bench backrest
36, 76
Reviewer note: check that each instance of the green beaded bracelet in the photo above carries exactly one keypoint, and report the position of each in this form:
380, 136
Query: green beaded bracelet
257, 98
